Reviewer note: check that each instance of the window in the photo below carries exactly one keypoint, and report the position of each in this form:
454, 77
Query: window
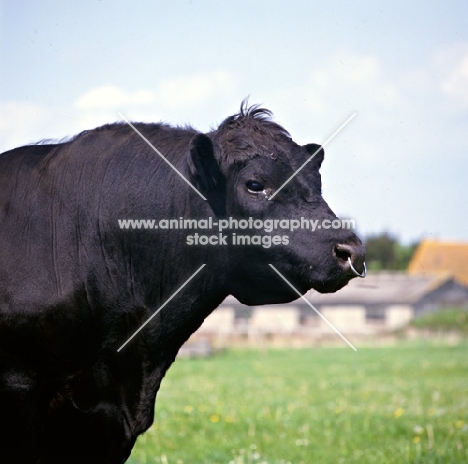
375, 314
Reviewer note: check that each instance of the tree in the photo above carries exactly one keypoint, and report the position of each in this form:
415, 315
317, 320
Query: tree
384, 252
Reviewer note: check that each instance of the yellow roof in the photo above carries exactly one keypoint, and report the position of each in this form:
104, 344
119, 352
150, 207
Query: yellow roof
433, 257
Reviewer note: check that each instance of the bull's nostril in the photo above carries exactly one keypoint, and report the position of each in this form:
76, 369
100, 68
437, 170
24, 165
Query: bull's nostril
343, 252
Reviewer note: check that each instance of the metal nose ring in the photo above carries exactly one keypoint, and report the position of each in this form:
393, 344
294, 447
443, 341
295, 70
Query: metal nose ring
364, 272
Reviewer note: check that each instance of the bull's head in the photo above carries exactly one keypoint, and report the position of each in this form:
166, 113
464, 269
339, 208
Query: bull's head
242, 168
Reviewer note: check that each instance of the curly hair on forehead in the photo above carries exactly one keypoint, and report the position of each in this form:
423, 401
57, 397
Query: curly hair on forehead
249, 133
253, 117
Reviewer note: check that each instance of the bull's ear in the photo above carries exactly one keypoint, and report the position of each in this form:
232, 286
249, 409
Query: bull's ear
317, 151
203, 166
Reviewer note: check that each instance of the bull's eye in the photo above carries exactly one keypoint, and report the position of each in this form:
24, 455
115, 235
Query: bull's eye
254, 186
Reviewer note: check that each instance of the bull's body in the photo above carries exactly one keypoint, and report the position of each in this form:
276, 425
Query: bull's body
74, 286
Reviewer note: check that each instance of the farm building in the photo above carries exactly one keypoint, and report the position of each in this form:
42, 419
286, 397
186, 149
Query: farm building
381, 302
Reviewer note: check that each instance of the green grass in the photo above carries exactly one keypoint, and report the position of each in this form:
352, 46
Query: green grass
443, 320
407, 404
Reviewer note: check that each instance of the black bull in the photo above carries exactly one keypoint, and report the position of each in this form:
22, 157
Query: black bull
74, 286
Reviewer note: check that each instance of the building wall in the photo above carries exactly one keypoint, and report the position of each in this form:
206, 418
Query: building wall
398, 316
296, 319
347, 319
275, 319
220, 322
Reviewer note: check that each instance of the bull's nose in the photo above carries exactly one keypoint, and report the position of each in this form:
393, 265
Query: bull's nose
351, 258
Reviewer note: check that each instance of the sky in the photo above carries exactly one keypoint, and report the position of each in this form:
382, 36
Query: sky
400, 165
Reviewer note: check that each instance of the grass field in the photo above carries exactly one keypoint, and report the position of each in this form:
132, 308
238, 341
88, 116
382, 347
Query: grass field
406, 404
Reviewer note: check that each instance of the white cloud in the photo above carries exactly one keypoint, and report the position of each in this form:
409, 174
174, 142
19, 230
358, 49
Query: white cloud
361, 78
456, 83
202, 100
178, 92
348, 82
20, 123
113, 97
450, 67
181, 99
195, 89
188, 98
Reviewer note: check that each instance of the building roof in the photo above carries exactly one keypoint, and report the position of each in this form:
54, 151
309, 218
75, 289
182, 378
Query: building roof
382, 288
433, 257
